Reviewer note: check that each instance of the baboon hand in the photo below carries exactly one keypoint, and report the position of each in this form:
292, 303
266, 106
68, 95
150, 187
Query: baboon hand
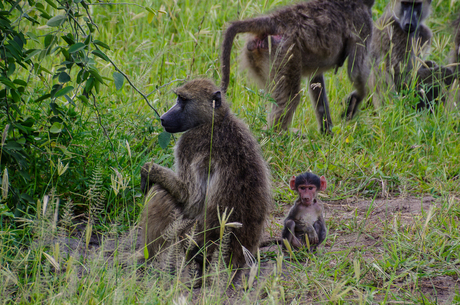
145, 183
312, 236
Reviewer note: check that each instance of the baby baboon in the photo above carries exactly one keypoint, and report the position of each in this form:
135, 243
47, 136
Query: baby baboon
305, 39
398, 38
218, 166
306, 218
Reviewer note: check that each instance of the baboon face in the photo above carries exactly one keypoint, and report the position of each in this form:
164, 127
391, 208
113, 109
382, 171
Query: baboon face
191, 109
411, 14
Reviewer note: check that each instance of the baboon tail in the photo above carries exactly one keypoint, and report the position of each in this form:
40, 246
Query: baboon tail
260, 25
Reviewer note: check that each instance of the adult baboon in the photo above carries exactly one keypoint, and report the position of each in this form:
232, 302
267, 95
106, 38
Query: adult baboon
398, 39
305, 39
218, 166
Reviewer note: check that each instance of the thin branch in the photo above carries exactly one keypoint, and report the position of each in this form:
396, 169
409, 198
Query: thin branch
104, 130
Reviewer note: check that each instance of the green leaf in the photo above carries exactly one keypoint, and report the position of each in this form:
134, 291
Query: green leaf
64, 77
56, 127
150, 18
77, 47
56, 21
20, 82
7, 82
13, 145
151, 10
146, 252
15, 96
89, 84
32, 54
41, 98
101, 44
69, 99
96, 75
119, 80
83, 98
51, 2
63, 91
100, 54
163, 139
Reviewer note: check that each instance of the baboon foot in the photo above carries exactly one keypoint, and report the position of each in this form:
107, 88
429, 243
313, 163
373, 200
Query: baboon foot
353, 102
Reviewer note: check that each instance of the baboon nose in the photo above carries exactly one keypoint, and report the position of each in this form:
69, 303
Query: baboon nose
409, 28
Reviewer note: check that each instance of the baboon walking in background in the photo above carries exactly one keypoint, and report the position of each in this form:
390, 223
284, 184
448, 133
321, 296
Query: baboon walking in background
399, 37
218, 165
306, 39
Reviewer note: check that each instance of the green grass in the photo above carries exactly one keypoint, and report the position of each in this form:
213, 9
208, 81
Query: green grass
395, 152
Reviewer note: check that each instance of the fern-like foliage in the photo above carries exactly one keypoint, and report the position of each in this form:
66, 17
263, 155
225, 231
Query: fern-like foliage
67, 214
96, 195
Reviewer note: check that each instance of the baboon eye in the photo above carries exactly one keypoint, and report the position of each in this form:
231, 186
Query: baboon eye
181, 99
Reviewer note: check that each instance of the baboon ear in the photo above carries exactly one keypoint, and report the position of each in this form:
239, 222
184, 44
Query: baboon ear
217, 99
292, 183
323, 183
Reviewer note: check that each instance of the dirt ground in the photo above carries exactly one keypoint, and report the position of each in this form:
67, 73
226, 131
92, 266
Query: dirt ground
340, 215
440, 289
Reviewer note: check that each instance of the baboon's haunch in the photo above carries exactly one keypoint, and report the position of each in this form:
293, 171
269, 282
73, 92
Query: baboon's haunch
306, 39
218, 163
306, 218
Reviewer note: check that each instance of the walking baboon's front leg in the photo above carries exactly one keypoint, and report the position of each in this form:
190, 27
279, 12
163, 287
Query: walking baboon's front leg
358, 71
320, 103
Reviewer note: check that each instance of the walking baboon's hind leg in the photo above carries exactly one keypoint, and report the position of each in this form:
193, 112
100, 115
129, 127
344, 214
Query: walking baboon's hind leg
285, 77
319, 100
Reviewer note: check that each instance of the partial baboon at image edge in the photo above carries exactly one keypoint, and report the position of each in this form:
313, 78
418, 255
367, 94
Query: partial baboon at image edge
304, 40
235, 179
400, 42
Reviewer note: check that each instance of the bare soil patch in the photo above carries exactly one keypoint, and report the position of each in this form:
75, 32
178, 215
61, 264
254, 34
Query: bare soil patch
360, 223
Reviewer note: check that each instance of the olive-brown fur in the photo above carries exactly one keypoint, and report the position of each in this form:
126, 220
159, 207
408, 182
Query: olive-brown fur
235, 178
308, 39
398, 48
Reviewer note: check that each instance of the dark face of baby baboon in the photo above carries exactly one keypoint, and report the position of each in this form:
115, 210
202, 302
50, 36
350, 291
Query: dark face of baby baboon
218, 167
304, 40
307, 186
305, 218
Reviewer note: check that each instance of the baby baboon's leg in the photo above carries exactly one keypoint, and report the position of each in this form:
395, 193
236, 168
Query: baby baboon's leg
319, 100
358, 71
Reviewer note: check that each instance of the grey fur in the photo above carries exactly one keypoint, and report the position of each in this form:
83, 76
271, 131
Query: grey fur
395, 46
307, 39
236, 177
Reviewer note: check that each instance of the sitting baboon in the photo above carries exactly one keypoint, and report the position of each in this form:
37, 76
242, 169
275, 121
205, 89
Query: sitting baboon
218, 166
306, 39
398, 39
